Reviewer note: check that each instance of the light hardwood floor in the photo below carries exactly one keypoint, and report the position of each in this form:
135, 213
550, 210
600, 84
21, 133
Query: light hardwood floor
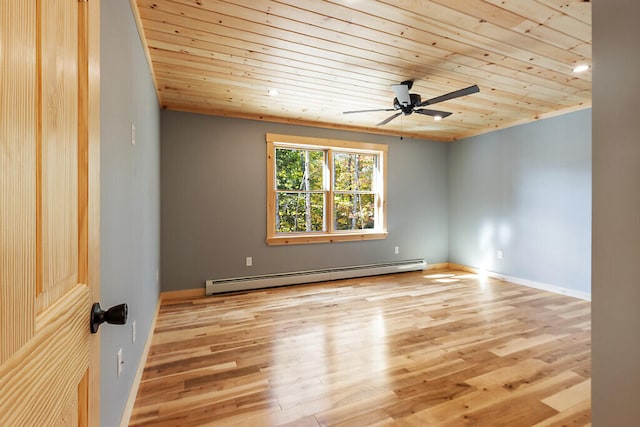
413, 349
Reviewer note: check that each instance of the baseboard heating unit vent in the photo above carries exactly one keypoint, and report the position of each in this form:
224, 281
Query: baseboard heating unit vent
217, 286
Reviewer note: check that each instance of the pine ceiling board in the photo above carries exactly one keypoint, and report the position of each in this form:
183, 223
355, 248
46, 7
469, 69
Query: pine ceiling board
454, 39
541, 14
195, 51
258, 85
284, 67
327, 56
572, 32
374, 60
275, 29
378, 48
433, 42
578, 9
571, 26
482, 34
300, 50
304, 101
216, 72
245, 99
249, 68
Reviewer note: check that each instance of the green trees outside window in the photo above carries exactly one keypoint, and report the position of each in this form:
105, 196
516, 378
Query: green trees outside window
300, 190
354, 198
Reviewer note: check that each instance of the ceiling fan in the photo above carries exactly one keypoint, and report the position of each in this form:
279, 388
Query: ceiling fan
409, 103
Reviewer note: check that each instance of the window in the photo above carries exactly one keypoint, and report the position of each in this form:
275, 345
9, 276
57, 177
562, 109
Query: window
322, 190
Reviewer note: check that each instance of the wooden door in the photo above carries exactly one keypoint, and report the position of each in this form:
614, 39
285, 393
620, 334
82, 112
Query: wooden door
49, 211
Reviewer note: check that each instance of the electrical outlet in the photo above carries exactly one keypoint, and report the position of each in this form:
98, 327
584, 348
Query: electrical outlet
133, 134
120, 362
249, 261
499, 254
396, 250
133, 332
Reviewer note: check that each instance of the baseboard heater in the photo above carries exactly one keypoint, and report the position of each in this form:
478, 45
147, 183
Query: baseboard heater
216, 286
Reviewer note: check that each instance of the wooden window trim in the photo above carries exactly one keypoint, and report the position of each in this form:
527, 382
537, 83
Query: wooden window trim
278, 140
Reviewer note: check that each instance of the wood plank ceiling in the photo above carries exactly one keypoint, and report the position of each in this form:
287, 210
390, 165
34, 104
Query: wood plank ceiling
328, 56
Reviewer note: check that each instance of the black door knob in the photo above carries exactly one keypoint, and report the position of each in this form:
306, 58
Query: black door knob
116, 315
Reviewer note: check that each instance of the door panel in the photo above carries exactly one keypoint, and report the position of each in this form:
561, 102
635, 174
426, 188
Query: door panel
17, 174
49, 221
59, 147
40, 379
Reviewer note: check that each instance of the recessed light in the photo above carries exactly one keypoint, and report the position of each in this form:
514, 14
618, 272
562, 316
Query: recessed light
437, 117
273, 92
580, 68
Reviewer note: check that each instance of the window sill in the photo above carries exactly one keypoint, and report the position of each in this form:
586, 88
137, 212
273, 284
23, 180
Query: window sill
301, 239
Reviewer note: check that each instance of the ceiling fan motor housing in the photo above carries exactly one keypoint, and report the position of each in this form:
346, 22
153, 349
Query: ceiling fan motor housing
407, 108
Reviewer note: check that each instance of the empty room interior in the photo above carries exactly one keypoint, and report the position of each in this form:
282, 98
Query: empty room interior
496, 199
358, 213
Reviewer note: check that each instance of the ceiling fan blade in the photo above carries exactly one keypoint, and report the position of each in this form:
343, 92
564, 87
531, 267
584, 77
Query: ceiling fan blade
451, 95
402, 93
368, 111
388, 119
432, 113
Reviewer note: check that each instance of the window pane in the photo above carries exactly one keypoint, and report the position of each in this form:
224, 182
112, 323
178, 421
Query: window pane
354, 211
299, 169
353, 171
299, 212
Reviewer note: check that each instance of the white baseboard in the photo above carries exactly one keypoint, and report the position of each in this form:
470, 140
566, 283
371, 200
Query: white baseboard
525, 282
128, 409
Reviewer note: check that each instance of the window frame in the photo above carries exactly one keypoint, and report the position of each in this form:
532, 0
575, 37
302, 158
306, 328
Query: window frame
329, 234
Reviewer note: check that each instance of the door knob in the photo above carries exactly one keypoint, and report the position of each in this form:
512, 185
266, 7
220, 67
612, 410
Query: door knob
116, 315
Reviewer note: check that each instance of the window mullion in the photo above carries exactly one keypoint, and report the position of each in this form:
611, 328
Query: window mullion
328, 204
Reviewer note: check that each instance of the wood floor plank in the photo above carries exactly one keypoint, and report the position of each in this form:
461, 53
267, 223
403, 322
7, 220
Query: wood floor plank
411, 349
570, 397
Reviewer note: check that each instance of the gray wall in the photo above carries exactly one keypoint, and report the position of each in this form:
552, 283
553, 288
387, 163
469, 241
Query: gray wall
130, 201
525, 190
214, 202
616, 214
